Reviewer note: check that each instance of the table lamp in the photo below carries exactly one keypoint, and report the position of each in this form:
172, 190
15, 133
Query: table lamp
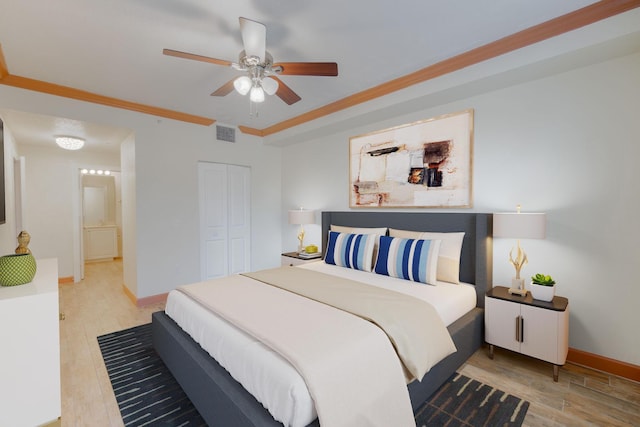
301, 217
519, 225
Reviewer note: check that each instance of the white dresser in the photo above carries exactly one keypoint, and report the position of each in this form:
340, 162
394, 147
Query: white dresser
30, 350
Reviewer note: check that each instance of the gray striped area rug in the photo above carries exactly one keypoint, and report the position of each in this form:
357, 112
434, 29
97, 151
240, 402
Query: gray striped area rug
146, 392
463, 401
148, 395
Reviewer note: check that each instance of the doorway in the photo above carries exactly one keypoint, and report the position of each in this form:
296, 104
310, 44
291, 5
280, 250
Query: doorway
100, 217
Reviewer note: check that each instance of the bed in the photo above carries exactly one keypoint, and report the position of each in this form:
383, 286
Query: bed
222, 401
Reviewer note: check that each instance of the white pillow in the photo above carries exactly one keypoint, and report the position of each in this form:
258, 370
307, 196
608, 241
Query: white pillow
449, 254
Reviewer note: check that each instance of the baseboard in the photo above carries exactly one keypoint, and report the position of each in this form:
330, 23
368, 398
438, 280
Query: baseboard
65, 280
54, 423
153, 299
605, 364
130, 295
143, 302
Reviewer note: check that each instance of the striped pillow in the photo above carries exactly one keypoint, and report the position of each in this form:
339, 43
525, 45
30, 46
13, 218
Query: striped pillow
409, 259
351, 250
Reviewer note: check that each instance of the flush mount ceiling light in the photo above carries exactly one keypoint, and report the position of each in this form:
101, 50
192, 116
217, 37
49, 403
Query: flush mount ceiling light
70, 142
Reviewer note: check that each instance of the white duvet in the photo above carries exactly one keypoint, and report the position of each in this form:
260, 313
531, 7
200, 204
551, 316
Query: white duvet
268, 376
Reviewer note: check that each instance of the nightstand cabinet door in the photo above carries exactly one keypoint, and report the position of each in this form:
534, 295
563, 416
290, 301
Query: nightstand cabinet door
543, 332
500, 323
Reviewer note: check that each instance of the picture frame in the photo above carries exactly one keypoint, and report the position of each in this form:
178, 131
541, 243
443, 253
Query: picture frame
424, 164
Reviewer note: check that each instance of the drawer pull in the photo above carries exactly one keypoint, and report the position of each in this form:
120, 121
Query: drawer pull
520, 329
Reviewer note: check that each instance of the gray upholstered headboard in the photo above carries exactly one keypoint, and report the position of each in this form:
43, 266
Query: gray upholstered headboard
476, 259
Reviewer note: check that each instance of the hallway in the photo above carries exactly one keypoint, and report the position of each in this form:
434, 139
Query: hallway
93, 307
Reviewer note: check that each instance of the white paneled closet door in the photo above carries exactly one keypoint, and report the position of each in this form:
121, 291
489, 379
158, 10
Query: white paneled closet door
225, 231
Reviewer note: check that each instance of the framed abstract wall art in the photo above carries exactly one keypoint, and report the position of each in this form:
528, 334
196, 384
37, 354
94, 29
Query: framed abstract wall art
426, 164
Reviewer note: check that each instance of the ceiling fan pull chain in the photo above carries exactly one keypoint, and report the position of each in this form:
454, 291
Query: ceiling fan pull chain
253, 109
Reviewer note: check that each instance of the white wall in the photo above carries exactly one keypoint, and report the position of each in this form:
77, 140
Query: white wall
566, 145
129, 232
167, 216
163, 214
52, 186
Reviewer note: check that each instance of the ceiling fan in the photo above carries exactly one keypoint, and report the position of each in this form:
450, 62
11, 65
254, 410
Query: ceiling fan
261, 71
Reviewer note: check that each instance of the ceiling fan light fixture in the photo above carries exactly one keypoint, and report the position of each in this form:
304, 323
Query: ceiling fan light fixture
242, 85
257, 94
69, 142
270, 85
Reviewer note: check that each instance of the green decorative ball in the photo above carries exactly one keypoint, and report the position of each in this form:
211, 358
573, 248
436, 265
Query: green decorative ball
17, 269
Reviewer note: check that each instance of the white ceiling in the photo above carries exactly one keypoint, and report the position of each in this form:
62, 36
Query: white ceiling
37, 129
114, 48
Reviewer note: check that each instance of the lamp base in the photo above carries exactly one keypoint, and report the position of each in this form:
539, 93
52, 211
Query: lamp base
517, 287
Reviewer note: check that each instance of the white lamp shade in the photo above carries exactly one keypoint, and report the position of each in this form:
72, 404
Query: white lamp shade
270, 85
257, 94
519, 225
302, 216
242, 85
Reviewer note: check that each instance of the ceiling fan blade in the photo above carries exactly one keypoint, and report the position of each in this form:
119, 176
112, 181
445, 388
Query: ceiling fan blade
285, 93
254, 38
308, 68
225, 89
185, 55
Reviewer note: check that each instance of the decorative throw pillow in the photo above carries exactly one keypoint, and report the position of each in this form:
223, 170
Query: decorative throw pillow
380, 231
409, 259
351, 250
448, 256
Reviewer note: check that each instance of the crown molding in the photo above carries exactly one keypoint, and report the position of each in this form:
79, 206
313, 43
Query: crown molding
557, 26
546, 30
4, 71
81, 95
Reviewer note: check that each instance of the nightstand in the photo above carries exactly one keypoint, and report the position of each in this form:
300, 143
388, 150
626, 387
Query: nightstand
293, 258
522, 324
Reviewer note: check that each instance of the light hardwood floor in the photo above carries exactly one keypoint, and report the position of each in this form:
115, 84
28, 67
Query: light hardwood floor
97, 306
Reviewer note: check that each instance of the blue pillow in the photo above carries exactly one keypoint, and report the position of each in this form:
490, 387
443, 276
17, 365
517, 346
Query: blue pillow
409, 259
350, 250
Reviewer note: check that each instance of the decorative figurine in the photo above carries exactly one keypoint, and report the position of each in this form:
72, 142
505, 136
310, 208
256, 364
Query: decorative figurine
23, 242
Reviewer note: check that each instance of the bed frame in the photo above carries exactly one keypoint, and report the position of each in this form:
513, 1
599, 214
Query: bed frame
224, 402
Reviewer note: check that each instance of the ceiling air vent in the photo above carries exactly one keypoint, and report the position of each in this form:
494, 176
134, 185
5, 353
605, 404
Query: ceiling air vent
224, 133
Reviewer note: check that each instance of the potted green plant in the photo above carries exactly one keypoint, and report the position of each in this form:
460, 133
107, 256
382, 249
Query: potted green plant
542, 287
